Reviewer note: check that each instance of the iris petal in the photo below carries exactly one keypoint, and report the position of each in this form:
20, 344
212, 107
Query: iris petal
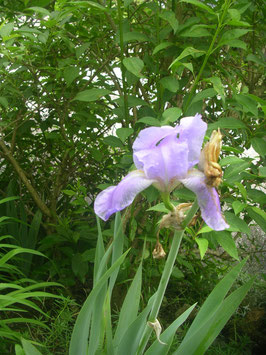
116, 198
192, 131
148, 138
164, 163
208, 200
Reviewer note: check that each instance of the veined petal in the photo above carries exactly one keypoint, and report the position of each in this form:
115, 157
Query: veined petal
116, 198
165, 162
149, 137
208, 199
192, 130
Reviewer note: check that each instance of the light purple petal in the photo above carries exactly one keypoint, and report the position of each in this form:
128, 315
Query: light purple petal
192, 130
149, 137
166, 162
116, 198
208, 200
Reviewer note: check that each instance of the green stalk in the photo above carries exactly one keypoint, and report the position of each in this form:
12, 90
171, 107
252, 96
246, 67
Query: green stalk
166, 275
207, 55
122, 55
166, 200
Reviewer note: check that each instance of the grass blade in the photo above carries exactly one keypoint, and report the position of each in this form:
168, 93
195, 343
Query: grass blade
79, 339
99, 251
130, 307
117, 247
214, 300
199, 342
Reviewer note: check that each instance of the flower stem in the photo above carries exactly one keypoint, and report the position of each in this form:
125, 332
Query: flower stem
166, 200
166, 275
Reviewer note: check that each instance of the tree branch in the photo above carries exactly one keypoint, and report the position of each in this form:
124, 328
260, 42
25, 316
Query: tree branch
45, 210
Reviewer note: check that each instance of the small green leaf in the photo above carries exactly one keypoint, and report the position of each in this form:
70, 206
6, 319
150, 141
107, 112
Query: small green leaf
186, 52
237, 43
136, 101
161, 46
259, 145
205, 229
189, 66
178, 274
241, 189
204, 94
200, 5
3, 101
195, 31
133, 101
235, 169
184, 194
259, 212
88, 4
230, 160
238, 206
262, 171
255, 59
127, 2
134, 36
134, 65
256, 195
70, 74
238, 23
6, 30
89, 255
160, 207
170, 83
171, 115
217, 85
232, 34
249, 105
91, 95
232, 149
69, 192
113, 142
227, 122
96, 154
39, 10
234, 14
259, 216
79, 266
236, 222
169, 16
203, 246
150, 121
124, 133
227, 242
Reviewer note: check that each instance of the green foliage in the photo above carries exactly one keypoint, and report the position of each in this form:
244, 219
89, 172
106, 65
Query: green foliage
19, 295
79, 80
96, 334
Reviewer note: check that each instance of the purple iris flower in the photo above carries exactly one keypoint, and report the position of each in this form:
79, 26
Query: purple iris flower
165, 157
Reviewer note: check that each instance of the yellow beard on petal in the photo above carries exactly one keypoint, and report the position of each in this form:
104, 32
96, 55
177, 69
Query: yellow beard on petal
211, 152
